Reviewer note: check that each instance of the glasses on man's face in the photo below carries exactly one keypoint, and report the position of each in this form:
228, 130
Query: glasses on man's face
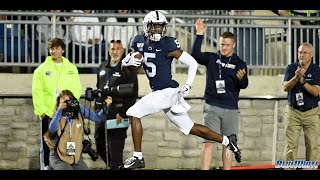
117, 41
303, 52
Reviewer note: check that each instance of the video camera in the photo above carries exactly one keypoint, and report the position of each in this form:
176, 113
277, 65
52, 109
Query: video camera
72, 108
99, 95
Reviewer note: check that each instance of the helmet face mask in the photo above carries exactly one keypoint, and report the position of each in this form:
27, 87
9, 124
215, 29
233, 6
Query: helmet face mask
155, 25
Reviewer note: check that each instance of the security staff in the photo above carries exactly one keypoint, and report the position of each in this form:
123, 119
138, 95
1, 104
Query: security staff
310, 35
305, 13
110, 75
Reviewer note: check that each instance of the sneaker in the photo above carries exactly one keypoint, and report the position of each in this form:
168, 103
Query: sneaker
47, 168
232, 146
133, 162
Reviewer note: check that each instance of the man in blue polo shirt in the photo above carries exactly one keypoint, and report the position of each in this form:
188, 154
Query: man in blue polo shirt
302, 82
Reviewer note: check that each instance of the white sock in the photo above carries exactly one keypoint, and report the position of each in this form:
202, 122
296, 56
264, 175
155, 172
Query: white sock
225, 141
137, 154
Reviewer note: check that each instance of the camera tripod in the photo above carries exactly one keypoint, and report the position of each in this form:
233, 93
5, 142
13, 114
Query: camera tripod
105, 112
113, 153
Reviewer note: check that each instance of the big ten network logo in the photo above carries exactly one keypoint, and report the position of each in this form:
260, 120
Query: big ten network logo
297, 164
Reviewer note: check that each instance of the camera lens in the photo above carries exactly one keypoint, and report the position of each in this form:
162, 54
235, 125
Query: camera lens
87, 149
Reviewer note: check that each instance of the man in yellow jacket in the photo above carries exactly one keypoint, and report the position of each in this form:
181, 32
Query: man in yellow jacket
56, 73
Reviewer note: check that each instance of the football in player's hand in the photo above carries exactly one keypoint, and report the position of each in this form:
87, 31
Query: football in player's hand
136, 68
139, 56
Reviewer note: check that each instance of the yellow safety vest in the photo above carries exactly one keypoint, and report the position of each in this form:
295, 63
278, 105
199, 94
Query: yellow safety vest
48, 79
306, 13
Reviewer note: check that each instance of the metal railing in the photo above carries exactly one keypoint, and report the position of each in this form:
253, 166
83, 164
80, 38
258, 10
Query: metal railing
261, 45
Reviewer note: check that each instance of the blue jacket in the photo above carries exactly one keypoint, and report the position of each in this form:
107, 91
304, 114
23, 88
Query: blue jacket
229, 67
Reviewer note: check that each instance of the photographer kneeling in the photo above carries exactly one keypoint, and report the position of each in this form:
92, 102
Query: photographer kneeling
65, 136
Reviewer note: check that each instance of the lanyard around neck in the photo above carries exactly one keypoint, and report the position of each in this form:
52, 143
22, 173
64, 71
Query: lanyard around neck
220, 66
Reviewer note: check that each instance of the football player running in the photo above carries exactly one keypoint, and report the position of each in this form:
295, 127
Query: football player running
158, 52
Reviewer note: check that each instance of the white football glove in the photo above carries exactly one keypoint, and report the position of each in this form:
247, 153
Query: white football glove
130, 60
184, 91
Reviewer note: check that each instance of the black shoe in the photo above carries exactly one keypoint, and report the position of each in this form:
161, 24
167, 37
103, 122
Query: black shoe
232, 146
133, 162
